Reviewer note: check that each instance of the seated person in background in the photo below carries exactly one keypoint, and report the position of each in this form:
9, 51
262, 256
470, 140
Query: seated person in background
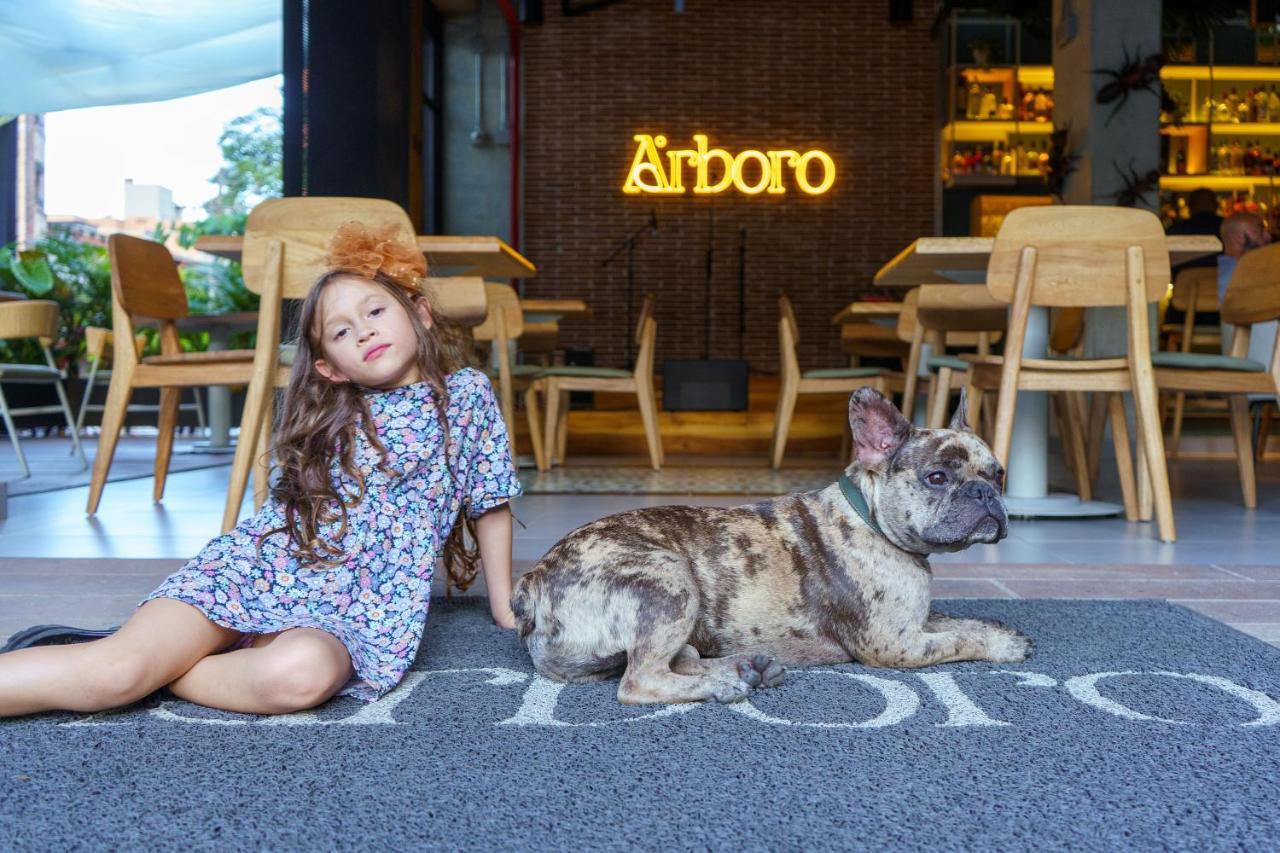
1240, 233
1202, 205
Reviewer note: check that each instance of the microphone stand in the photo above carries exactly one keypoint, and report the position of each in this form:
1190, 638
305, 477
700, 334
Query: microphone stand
628, 244
706, 285
742, 289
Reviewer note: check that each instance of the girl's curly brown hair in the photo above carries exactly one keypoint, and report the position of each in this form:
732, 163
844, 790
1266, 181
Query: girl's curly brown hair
320, 419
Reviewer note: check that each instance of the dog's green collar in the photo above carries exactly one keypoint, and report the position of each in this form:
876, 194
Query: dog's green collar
859, 503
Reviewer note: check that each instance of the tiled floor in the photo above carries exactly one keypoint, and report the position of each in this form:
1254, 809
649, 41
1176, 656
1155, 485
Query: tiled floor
57, 564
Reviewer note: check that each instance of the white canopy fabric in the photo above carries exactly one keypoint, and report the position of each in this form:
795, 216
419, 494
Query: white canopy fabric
65, 54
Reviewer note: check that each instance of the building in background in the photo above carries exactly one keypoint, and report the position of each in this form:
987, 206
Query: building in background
29, 216
147, 207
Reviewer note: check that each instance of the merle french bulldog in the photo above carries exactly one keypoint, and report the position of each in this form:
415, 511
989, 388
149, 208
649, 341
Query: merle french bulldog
692, 603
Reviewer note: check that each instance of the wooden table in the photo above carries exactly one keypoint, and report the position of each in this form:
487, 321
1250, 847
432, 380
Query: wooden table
963, 260
446, 255
219, 327
539, 312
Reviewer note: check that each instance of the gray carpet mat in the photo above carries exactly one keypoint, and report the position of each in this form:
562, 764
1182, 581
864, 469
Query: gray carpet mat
475, 752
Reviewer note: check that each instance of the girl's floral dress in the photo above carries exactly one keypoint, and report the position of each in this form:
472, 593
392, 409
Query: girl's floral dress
376, 601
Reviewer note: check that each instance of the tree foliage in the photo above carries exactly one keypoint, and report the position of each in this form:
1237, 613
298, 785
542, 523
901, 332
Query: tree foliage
252, 155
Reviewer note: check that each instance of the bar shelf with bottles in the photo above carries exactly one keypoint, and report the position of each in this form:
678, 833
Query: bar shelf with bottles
1224, 133
1000, 121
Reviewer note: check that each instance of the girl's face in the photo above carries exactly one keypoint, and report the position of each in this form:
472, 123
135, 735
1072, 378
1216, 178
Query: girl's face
366, 336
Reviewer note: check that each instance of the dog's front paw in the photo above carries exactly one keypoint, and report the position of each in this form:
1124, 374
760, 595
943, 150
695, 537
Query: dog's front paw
759, 672
1008, 646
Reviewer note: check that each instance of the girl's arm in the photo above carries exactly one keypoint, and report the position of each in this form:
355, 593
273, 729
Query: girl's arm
493, 535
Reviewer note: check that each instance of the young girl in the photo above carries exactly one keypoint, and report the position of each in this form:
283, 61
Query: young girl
383, 443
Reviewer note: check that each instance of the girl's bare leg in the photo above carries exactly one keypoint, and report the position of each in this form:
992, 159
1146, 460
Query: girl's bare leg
281, 673
161, 641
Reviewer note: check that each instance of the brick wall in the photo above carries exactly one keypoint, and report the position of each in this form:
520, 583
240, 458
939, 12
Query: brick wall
751, 74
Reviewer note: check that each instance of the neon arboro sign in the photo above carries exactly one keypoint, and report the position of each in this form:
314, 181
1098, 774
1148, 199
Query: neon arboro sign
752, 172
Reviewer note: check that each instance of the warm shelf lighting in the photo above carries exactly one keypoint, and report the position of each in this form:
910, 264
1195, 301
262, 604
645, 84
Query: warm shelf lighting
1184, 183
1247, 128
987, 131
1042, 75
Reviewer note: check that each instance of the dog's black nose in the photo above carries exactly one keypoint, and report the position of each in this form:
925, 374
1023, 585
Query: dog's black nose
981, 490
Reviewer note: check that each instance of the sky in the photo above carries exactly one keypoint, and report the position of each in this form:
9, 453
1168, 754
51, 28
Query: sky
90, 152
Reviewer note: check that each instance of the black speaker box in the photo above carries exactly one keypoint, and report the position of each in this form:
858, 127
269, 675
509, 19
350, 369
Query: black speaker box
704, 385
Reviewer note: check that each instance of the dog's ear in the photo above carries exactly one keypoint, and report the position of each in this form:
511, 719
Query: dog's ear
960, 420
878, 428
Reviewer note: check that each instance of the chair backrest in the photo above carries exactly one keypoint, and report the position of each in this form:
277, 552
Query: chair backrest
145, 278
1077, 255
648, 343
304, 226
907, 319
789, 317
646, 311
787, 337
29, 318
502, 300
1196, 288
459, 299
1253, 294
961, 308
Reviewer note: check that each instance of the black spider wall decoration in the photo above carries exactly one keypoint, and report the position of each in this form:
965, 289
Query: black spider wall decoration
1135, 75
1135, 186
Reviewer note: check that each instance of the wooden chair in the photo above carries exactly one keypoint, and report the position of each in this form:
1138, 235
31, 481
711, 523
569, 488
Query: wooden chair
285, 244
862, 337
145, 285
1081, 256
34, 318
1253, 296
556, 383
99, 345
794, 382
502, 328
953, 310
1194, 290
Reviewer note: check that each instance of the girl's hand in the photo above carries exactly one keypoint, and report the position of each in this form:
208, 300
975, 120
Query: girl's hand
505, 619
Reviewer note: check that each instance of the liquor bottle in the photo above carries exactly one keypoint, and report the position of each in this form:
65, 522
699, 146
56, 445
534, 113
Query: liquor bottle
1222, 163
1043, 106
1260, 108
1233, 104
1273, 103
1242, 110
973, 101
1008, 163
1180, 166
1206, 110
1237, 158
1222, 112
987, 105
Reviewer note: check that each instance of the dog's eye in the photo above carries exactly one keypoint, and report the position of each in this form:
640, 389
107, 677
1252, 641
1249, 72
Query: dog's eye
937, 478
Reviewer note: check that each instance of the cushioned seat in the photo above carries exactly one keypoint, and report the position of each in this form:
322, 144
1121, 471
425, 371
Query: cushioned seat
843, 373
207, 357
521, 370
1206, 361
1063, 363
1176, 328
19, 372
954, 362
590, 372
